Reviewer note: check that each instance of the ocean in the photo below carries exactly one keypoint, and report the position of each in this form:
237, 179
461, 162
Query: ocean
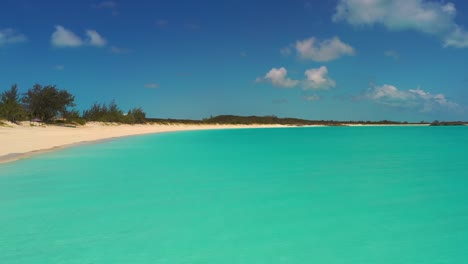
284, 195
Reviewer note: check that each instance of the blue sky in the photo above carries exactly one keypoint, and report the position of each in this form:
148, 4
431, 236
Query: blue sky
342, 60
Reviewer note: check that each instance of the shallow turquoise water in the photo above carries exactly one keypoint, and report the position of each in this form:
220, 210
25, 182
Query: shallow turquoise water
297, 195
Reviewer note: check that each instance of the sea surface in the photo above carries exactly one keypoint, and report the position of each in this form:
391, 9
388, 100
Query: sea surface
322, 195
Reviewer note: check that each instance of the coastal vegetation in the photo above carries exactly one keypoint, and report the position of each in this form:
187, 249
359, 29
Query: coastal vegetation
269, 120
52, 105
448, 123
10, 106
112, 113
49, 104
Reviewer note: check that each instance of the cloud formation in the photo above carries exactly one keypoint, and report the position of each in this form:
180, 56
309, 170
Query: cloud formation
64, 38
430, 17
95, 39
414, 98
278, 77
318, 79
11, 36
321, 50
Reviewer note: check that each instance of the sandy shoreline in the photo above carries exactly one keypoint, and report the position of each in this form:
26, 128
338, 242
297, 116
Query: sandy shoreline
22, 141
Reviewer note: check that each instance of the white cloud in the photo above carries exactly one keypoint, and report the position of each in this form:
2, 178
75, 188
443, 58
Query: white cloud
325, 50
389, 92
278, 77
431, 17
318, 79
152, 85
457, 38
392, 54
414, 98
94, 39
59, 67
63, 37
11, 36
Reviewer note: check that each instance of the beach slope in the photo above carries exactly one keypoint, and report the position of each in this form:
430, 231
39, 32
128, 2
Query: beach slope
19, 141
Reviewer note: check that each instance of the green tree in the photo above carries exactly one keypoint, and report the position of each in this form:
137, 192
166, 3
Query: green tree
115, 113
112, 113
73, 116
47, 102
138, 115
10, 106
97, 112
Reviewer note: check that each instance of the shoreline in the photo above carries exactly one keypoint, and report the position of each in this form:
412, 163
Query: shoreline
23, 141
12, 157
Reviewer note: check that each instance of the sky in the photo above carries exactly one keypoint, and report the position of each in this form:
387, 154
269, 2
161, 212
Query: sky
339, 59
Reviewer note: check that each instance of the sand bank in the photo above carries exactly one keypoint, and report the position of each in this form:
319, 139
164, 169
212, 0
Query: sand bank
20, 141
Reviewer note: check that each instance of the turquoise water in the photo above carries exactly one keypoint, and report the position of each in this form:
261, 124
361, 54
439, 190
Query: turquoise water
297, 195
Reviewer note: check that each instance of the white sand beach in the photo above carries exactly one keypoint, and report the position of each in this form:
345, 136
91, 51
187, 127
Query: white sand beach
24, 140
20, 141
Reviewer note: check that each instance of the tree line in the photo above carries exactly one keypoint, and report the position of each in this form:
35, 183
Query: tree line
274, 120
50, 104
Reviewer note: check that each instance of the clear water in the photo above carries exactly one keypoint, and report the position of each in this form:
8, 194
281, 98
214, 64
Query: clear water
297, 195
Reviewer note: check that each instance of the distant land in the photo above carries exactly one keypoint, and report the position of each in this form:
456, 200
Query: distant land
51, 105
246, 120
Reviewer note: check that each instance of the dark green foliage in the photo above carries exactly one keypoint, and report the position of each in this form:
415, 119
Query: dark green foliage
96, 112
73, 116
115, 114
104, 113
47, 102
265, 120
10, 106
112, 113
448, 123
269, 120
137, 115
51, 105
166, 121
